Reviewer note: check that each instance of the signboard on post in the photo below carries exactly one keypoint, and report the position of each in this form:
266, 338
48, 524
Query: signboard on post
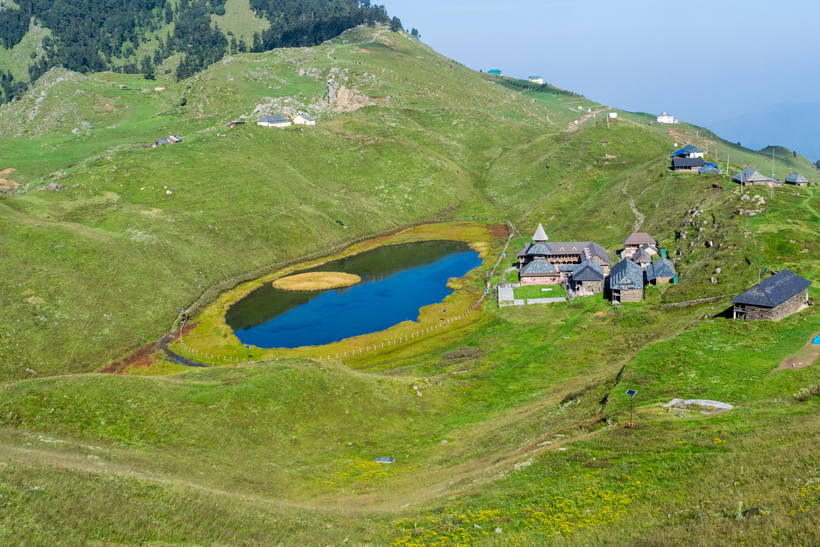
631, 393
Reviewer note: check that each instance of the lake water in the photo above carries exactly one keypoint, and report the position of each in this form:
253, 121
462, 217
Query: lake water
397, 280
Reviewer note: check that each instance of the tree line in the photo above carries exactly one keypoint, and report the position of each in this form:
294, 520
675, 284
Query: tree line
99, 35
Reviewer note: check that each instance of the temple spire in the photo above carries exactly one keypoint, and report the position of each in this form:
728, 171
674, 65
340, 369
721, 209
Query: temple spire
540, 235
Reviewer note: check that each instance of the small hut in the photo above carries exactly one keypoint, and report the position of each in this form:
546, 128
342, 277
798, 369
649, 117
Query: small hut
303, 119
797, 179
660, 271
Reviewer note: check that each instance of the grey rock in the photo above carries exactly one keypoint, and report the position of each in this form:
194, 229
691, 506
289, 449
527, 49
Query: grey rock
498, 530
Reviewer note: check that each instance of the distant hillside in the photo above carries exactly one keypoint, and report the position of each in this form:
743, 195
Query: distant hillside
140, 35
790, 125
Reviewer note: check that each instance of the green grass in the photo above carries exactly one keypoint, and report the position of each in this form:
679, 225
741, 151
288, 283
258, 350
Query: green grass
555, 291
282, 453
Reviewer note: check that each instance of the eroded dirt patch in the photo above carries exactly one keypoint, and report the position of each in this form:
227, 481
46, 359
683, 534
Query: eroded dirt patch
804, 357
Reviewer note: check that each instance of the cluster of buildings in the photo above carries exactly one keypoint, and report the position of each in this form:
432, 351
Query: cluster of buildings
583, 267
689, 159
275, 120
749, 176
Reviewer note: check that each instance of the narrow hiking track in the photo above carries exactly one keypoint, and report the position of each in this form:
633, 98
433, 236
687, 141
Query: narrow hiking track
638, 215
576, 124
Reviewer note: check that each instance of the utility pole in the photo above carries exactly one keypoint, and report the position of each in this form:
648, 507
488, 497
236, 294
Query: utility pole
727, 163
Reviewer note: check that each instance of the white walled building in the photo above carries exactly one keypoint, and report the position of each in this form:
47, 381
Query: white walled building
666, 118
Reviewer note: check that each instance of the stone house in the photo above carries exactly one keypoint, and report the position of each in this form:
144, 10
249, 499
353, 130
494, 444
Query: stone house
797, 179
750, 177
687, 165
773, 298
626, 282
660, 271
587, 278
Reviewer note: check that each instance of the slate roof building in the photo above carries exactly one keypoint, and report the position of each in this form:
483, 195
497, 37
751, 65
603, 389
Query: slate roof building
660, 271
749, 176
626, 282
170, 139
687, 165
587, 278
303, 119
642, 258
234, 124
274, 120
688, 151
710, 169
561, 256
636, 240
798, 179
773, 298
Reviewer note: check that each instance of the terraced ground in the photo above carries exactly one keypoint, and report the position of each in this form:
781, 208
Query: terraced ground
530, 401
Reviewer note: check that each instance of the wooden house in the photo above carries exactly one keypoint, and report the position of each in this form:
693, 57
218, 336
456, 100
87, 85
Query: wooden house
303, 119
797, 179
687, 165
660, 271
273, 121
561, 256
637, 240
773, 298
626, 282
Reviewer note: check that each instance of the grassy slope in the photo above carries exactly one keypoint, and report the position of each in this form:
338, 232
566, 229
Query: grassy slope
240, 455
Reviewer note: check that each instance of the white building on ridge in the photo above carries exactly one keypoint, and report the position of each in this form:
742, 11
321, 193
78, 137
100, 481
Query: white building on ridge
666, 118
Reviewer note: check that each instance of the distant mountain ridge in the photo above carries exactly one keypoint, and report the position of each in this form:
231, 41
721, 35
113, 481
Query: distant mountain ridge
791, 125
139, 36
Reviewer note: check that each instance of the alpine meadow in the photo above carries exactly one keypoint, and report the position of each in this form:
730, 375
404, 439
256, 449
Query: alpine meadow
165, 167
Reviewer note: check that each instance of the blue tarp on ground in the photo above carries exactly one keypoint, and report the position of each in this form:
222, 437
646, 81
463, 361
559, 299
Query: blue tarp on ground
816, 340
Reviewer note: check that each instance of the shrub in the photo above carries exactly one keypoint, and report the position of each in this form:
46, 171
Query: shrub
807, 393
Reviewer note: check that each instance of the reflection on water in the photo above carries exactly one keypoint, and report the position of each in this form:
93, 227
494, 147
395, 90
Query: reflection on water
397, 280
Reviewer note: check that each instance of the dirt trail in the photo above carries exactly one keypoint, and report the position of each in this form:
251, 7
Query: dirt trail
638, 215
576, 124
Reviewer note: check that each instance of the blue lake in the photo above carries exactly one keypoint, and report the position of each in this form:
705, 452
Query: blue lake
397, 280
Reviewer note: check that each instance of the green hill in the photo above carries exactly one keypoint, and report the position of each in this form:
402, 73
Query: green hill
102, 241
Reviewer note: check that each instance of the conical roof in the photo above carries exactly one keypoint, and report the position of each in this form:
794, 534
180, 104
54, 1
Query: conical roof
540, 234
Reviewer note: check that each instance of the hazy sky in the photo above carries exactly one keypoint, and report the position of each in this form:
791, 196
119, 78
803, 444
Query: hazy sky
702, 61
